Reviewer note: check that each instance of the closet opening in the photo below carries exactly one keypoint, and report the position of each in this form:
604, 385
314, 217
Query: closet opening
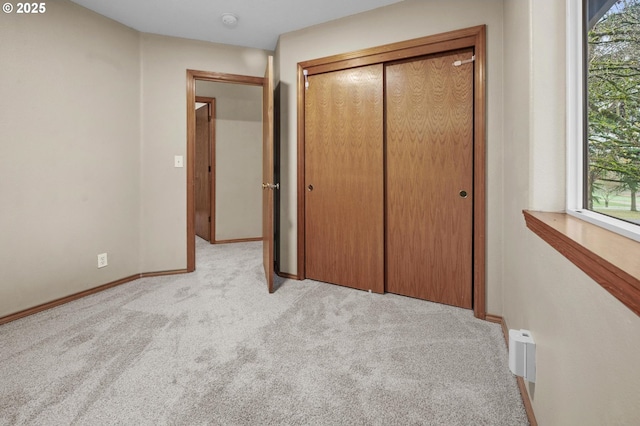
391, 147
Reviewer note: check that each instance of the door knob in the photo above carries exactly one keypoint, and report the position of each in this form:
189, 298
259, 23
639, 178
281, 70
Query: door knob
463, 194
310, 188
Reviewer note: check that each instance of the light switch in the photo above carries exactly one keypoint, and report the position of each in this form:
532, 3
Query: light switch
177, 161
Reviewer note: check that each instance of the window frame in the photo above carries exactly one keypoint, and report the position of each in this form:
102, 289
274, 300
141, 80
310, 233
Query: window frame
576, 131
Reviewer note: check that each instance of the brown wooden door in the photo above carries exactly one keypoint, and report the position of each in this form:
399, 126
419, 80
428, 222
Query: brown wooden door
344, 178
268, 185
202, 173
429, 162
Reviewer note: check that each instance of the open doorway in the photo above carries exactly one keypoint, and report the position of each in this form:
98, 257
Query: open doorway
227, 191
205, 194
228, 162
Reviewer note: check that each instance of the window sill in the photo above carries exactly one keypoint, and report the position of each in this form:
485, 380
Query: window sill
608, 258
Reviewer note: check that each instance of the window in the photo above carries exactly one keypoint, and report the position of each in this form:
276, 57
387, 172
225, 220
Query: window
603, 82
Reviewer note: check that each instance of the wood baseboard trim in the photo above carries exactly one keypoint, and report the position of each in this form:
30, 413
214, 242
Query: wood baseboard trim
527, 402
528, 408
163, 273
240, 240
493, 318
80, 295
287, 276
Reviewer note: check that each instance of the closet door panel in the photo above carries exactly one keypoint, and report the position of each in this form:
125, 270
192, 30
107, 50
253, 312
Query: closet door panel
429, 185
344, 178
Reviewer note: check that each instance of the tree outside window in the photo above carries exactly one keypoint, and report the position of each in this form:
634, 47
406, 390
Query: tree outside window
613, 110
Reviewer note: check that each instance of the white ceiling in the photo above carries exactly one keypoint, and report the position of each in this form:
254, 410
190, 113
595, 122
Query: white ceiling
260, 22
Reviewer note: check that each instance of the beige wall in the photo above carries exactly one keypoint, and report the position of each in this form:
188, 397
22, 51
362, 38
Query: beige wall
92, 113
587, 341
91, 116
164, 128
238, 158
69, 153
402, 21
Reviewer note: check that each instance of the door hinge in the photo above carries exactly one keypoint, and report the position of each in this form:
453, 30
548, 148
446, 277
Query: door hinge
209, 219
209, 169
306, 79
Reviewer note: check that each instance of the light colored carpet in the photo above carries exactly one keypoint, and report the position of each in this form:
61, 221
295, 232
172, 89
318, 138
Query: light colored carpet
213, 347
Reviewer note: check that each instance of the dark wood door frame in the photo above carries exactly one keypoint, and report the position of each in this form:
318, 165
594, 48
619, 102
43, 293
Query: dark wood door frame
212, 164
474, 37
192, 76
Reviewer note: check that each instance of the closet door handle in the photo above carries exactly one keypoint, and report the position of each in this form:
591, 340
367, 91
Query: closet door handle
310, 188
463, 194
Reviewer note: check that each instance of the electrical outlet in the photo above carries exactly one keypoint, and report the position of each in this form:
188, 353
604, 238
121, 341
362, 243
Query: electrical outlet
102, 260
